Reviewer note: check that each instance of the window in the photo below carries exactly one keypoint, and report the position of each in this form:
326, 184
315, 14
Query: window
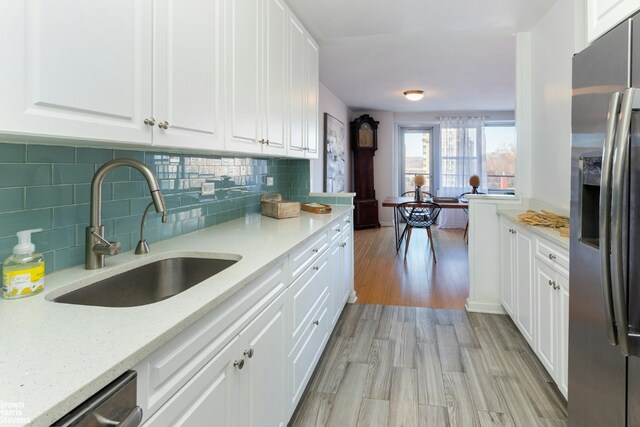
500, 146
416, 145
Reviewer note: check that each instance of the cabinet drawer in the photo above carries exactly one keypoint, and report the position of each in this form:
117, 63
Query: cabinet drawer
336, 229
307, 253
306, 354
552, 254
166, 370
305, 293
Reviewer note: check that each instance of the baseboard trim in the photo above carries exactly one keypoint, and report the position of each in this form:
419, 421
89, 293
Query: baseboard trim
352, 297
386, 224
484, 307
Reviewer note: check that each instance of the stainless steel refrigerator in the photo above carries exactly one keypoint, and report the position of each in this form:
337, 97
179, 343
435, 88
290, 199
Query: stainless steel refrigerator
604, 326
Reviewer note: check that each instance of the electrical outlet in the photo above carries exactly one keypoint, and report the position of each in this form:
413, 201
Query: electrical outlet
208, 188
269, 181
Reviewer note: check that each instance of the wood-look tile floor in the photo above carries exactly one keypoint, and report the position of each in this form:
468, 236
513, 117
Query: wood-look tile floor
412, 366
383, 276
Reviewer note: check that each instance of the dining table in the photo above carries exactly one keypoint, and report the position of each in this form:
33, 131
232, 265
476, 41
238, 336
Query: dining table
395, 201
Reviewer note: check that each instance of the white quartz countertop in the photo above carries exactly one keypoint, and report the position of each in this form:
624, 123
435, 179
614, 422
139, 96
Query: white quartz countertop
55, 356
548, 233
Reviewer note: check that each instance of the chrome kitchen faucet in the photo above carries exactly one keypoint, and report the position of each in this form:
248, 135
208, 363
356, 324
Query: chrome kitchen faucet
96, 245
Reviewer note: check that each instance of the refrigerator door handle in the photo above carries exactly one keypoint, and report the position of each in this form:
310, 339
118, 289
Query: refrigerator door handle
605, 214
620, 161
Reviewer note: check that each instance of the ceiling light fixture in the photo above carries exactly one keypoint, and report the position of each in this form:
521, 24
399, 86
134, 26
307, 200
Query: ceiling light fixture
414, 95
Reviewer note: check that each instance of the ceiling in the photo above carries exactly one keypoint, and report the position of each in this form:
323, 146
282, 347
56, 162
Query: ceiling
461, 52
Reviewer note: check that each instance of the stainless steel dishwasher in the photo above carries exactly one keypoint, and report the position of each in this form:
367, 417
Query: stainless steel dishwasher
114, 405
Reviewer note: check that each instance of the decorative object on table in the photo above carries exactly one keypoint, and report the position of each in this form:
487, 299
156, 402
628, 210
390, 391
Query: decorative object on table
419, 181
271, 204
546, 219
364, 143
318, 208
335, 155
474, 182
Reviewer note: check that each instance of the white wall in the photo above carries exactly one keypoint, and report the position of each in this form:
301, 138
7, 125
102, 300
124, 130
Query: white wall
553, 43
329, 103
384, 163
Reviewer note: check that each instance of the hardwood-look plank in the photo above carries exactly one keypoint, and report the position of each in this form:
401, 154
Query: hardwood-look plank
378, 385
373, 413
384, 277
430, 384
553, 423
464, 331
315, 411
425, 325
443, 317
483, 387
371, 311
462, 412
331, 368
547, 403
433, 416
346, 405
404, 398
388, 318
405, 346
449, 348
510, 336
495, 419
497, 359
349, 318
520, 407
362, 341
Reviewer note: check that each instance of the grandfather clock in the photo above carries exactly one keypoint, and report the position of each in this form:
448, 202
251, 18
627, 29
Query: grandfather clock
364, 143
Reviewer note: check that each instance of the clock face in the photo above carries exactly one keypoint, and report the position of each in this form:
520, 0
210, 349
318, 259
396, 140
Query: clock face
365, 136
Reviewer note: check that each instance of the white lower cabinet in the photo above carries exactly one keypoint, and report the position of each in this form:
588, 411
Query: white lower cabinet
247, 362
535, 293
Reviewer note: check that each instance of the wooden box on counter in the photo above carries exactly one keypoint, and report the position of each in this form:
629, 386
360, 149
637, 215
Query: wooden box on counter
272, 205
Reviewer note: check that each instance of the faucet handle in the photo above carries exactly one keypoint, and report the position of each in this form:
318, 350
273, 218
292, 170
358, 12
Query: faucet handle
110, 248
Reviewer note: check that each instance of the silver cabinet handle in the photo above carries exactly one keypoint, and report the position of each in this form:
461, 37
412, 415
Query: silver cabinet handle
315, 251
605, 214
267, 142
316, 322
552, 257
343, 244
316, 268
261, 141
551, 282
150, 121
620, 161
164, 125
338, 230
239, 364
555, 287
248, 353
348, 221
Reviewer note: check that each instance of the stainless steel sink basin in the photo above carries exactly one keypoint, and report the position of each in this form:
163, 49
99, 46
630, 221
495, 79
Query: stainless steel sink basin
147, 284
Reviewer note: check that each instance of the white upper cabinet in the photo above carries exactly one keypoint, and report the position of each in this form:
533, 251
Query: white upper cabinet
603, 15
304, 92
76, 69
187, 99
256, 76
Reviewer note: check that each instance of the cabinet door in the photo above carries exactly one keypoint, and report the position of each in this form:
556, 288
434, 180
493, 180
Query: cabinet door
603, 15
243, 75
209, 398
76, 69
508, 262
312, 75
563, 335
275, 93
297, 82
186, 71
264, 379
524, 309
546, 316
336, 289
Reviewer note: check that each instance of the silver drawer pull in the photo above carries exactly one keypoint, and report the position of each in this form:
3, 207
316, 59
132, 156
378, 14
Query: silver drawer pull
239, 364
551, 283
164, 125
316, 322
248, 353
555, 287
316, 268
343, 245
348, 221
552, 257
150, 121
315, 251
338, 230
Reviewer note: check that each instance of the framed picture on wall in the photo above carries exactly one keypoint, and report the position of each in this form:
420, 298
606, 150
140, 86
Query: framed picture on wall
335, 155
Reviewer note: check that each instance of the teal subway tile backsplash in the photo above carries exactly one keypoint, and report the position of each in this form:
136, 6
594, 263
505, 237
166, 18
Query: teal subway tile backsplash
46, 186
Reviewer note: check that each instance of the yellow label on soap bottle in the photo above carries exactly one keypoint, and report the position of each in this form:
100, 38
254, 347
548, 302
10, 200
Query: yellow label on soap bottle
22, 282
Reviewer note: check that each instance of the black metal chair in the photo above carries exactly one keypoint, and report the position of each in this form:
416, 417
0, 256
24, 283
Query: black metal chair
419, 215
466, 210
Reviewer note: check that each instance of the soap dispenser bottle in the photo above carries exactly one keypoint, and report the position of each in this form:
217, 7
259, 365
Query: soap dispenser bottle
23, 272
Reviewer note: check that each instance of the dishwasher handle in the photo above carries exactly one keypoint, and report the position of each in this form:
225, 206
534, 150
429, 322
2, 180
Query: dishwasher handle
132, 419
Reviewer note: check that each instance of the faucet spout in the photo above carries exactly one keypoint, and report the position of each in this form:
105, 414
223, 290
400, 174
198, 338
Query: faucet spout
94, 251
